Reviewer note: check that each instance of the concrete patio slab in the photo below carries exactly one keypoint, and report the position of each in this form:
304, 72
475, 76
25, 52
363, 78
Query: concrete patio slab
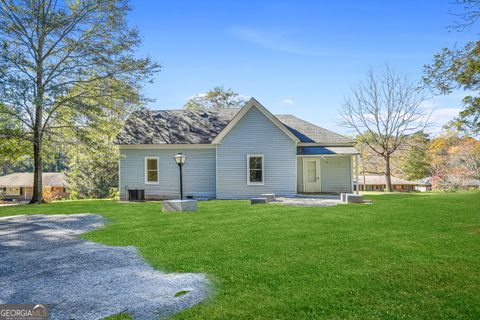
44, 261
309, 201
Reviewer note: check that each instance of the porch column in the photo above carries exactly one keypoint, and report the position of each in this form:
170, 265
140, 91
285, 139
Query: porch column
356, 173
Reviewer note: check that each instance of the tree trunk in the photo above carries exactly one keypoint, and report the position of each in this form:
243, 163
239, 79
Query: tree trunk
388, 175
37, 196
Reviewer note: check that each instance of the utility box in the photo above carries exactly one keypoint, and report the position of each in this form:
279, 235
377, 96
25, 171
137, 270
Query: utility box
136, 195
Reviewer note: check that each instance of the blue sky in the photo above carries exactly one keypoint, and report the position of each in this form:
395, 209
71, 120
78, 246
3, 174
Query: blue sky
295, 57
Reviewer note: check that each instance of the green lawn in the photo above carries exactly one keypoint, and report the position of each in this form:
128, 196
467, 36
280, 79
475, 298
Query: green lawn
406, 256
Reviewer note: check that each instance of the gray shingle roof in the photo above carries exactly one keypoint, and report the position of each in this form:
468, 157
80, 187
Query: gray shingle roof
174, 126
308, 132
25, 179
201, 127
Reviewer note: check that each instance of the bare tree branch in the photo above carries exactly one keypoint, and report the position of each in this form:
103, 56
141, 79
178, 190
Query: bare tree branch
383, 110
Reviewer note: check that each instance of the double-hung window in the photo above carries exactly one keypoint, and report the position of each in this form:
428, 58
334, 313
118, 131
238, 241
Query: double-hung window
151, 170
255, 170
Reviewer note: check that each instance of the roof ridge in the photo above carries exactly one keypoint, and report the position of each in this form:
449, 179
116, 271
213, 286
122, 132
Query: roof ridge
157, 110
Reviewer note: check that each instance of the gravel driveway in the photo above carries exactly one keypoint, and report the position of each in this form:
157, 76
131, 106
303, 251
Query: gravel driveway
42, 260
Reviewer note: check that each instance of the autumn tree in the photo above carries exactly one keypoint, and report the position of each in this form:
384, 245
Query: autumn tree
455, 161
216, 98
464, 163
49, 47
383, 110
438, 153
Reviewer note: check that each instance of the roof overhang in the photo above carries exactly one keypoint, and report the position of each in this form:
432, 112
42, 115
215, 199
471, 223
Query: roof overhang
336, 144
251, 104
325, 150
166, 146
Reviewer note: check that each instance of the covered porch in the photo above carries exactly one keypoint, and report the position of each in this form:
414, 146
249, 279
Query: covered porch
326, 170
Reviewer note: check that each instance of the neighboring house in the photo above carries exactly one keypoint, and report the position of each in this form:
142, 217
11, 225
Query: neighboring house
231, 154
424, 184
19, 186
472, 183
450, 182
375, 182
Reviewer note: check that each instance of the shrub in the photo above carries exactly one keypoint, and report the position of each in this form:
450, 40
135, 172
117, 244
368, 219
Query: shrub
114, 193
49, 195
73, 195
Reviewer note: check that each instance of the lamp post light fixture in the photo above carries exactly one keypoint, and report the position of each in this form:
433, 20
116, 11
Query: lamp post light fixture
180, 205
180, 160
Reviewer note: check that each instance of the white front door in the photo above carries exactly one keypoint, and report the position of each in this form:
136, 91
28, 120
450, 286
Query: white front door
311, 175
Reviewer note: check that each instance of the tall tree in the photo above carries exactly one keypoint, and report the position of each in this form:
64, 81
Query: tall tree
383, 110
48, 47
415, 163
216, 98
459, 68
92, 155
373, 163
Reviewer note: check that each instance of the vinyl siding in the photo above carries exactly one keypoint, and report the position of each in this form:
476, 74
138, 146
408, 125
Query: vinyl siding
198, 173
336, 174
300, 174
255, 134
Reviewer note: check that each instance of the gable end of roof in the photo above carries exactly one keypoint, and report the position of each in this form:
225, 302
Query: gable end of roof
253, 103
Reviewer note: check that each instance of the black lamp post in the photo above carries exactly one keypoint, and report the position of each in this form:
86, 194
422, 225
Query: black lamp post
180, 160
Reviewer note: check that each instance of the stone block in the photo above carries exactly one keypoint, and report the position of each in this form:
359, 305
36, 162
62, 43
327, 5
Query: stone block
269, 196
354, 198
258, 200
179, 205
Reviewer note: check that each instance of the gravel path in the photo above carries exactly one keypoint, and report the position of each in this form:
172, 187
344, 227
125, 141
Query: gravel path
42, 260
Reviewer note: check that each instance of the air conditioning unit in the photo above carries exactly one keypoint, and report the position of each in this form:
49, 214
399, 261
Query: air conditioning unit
136, 195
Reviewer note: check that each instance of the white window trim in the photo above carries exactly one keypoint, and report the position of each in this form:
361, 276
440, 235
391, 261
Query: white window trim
248, 170
146, 171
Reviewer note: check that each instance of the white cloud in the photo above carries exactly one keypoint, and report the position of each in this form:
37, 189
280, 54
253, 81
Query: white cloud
287, 101
198, 95
293, 40
442, 109
276, 39
443, 115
